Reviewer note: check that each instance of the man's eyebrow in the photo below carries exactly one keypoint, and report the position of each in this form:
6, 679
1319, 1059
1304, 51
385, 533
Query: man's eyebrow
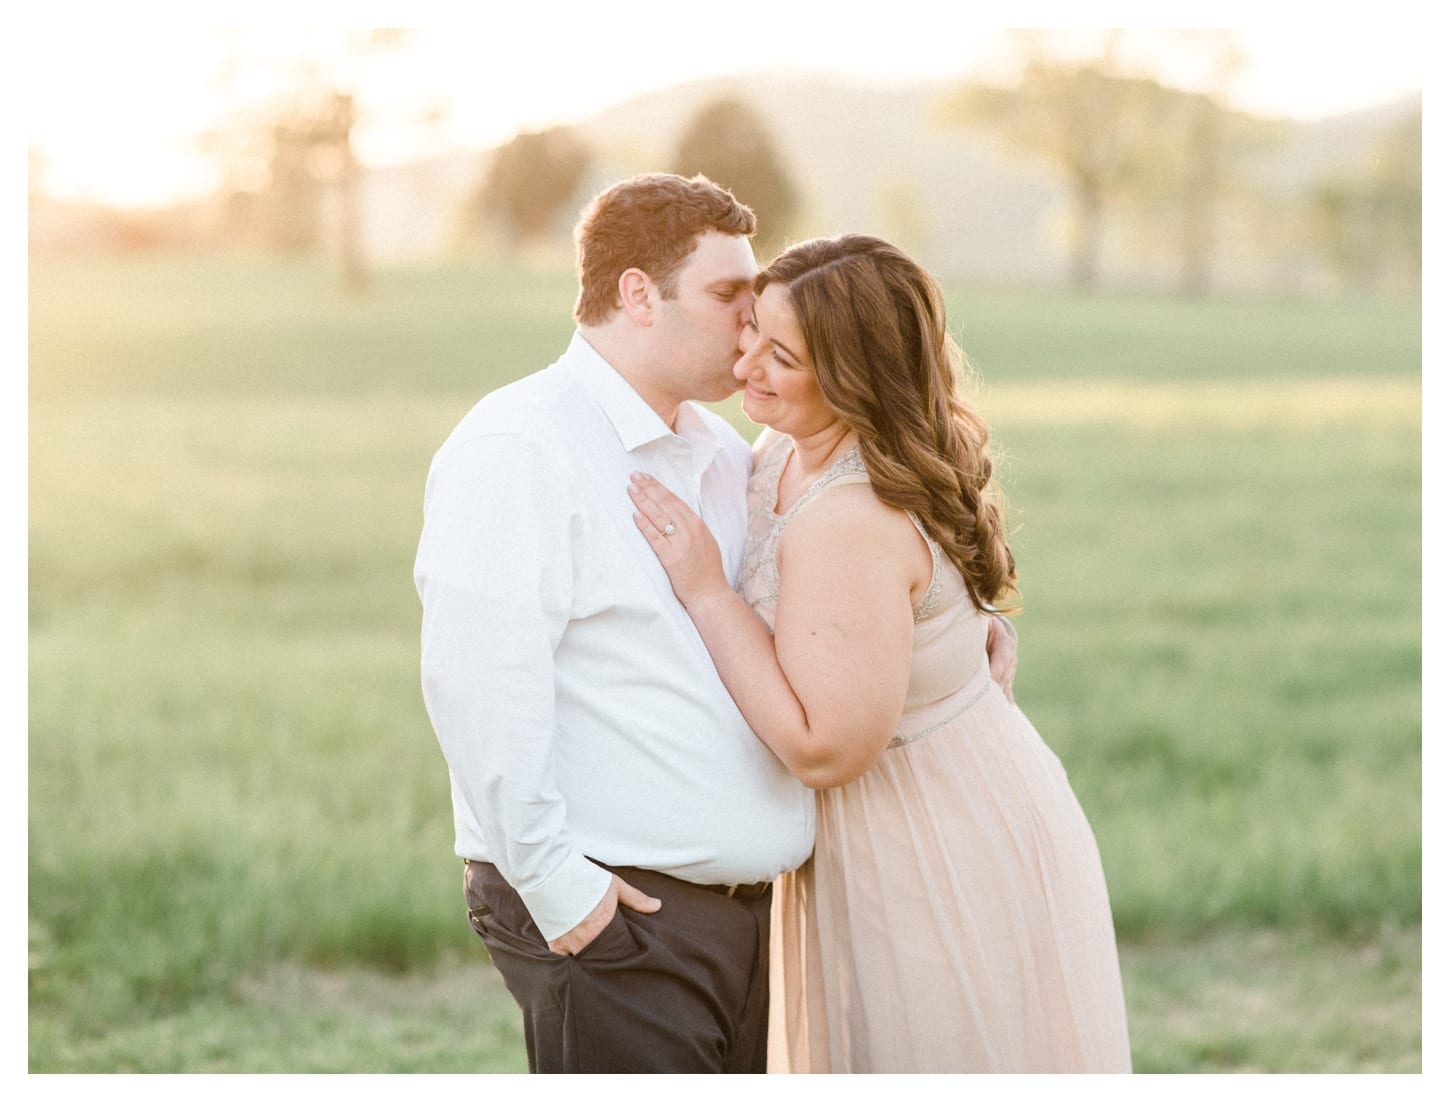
733, 284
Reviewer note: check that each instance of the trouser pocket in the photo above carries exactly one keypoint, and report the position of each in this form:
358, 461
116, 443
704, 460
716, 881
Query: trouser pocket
498, 915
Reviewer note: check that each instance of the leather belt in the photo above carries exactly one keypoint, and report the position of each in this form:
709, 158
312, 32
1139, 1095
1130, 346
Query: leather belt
746, 892
739, 891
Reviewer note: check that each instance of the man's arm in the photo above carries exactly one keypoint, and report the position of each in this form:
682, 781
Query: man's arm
619, 893
1002, 652
495, 579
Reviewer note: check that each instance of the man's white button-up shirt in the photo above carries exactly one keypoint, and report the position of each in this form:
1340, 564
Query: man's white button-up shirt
576, 705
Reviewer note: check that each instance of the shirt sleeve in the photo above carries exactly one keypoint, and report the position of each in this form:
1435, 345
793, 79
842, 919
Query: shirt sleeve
494, 572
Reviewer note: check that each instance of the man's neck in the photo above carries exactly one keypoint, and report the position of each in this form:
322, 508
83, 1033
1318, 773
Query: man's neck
616, 350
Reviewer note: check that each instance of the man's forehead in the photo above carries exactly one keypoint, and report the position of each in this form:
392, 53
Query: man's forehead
720, 257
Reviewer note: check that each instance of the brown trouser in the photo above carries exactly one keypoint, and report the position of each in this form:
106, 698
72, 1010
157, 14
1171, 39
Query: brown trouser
682, 990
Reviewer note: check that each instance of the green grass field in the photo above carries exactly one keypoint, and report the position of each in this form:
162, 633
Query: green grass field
240, 835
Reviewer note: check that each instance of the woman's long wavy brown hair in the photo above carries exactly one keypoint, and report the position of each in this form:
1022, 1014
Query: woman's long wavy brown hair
875, 326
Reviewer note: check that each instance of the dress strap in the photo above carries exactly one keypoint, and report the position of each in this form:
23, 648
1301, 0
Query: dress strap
932, 597
850, 468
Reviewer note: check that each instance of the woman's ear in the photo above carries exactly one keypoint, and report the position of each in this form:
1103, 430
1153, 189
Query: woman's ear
637, 294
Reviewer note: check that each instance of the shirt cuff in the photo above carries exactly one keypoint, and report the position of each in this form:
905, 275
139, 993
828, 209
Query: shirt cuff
563, 900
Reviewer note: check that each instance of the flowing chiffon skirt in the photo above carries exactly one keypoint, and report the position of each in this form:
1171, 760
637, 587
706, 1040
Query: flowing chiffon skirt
954, 916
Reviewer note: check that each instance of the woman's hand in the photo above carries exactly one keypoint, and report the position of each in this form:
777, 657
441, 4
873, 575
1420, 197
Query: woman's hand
680, 539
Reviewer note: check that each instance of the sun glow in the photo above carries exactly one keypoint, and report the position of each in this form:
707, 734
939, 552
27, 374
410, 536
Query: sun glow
121, 116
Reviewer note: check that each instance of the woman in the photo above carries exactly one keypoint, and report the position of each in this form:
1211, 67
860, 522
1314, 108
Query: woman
954, 916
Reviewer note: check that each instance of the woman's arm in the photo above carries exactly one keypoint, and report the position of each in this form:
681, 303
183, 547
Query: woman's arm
827, 692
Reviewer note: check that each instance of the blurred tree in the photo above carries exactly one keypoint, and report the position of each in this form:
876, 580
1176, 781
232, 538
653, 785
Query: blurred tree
529, 180
1196, 161
1368, 223
303, 148
1191, 168
1195, 156
1153, 151
334, 142
1084, 119
283, 156
729, 143
1086, 122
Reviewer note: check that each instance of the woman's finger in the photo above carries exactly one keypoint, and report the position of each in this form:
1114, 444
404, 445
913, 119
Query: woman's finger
652, 532
658, 515
659, 493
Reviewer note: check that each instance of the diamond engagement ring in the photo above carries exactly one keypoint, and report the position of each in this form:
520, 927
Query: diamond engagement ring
668, 529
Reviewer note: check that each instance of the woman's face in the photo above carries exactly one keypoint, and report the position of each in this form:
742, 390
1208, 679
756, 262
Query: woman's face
775, 365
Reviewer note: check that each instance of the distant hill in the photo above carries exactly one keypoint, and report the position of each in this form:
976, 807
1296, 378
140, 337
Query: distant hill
871, 160
883, 160
880, 159
1340, 143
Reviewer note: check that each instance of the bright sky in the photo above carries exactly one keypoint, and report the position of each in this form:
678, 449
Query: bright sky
114, 113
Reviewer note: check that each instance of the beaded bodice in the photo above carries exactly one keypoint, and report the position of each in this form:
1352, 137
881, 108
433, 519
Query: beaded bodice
948, 656
759, 571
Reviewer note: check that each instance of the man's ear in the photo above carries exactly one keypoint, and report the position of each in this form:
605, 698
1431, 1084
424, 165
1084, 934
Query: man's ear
637, 294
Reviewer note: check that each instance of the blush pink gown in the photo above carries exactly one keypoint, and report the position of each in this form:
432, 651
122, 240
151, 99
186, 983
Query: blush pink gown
954, 916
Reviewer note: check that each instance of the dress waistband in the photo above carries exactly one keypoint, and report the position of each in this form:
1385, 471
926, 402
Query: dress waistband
922, 722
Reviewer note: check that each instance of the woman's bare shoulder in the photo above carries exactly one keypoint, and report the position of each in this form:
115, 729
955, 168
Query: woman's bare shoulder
847, 554
852, 519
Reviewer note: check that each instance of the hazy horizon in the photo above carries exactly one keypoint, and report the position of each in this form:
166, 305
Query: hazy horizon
468, 88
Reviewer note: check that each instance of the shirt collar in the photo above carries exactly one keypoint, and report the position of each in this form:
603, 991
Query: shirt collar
634, 420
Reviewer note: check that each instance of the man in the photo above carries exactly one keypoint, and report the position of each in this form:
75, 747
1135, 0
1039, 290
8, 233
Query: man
620, 823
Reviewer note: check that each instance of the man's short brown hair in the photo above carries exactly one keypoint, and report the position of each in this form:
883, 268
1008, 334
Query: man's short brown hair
647, 222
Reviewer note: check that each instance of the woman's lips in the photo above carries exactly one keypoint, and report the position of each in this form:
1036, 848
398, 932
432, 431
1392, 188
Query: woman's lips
755, 392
